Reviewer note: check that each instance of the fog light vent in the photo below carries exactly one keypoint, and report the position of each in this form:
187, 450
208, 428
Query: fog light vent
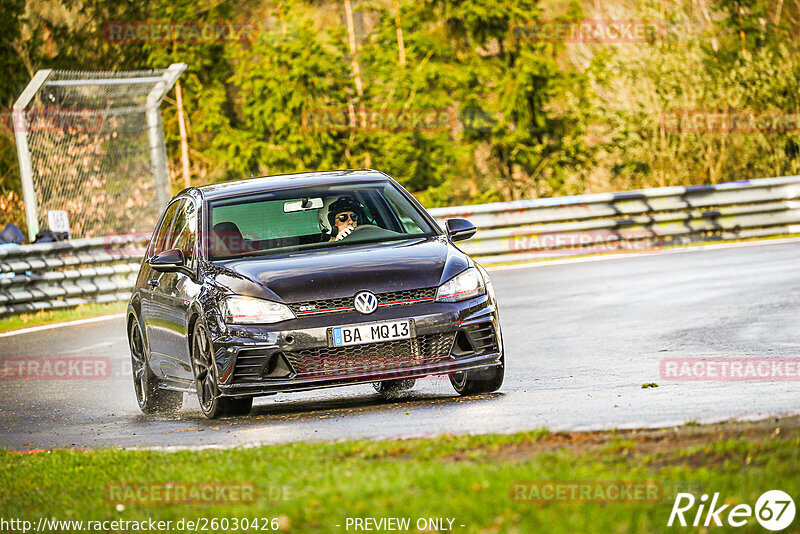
277, 367
462, 345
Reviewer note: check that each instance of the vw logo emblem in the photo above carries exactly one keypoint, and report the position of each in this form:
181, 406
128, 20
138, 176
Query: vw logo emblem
366, 302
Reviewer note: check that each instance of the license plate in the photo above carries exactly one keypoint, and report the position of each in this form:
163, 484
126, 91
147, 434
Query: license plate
343, 336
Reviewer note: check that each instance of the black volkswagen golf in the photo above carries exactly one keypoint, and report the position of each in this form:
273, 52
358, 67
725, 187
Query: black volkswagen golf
295, 282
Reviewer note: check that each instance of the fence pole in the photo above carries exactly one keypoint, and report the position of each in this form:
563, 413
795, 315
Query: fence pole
155, 129
20, 125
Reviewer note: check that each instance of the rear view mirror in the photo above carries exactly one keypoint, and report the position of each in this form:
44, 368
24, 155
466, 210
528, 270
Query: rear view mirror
304, 204
168, 261
459, 229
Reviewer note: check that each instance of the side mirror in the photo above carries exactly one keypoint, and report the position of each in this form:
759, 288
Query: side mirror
459, 229
169, 261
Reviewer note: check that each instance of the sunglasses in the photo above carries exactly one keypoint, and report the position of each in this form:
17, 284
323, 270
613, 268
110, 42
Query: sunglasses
342, 217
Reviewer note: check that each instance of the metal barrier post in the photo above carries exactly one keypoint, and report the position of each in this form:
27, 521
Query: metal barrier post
20, 126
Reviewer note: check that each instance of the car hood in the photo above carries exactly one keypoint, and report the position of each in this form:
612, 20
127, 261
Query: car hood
343, 271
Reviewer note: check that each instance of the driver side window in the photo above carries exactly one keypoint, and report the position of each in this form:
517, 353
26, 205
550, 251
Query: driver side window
160, 241
184, 230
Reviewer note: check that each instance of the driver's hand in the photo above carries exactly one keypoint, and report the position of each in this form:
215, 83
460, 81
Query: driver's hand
344, 233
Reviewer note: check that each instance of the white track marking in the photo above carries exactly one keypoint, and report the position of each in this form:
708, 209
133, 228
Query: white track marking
59, 325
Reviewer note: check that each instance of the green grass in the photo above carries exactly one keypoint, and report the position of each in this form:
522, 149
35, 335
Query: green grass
40, 318
313, 487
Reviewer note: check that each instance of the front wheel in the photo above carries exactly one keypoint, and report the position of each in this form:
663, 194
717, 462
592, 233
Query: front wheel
478, 381
205, 380
149, 396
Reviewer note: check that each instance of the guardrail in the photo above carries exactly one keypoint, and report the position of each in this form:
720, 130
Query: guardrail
647, 219
65, 274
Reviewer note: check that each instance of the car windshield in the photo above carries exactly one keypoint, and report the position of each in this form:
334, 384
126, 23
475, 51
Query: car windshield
312, 217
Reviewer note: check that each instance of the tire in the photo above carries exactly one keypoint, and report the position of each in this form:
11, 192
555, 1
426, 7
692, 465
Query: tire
391, 387
479, 381
149, 396
206, 380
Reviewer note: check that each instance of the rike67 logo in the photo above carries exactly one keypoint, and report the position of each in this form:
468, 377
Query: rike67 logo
774, 510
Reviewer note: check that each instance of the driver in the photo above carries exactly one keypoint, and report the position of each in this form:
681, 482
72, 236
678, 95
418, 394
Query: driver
344, 215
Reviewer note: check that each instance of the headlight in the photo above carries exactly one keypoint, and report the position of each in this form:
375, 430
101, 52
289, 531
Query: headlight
248, 310
461, 287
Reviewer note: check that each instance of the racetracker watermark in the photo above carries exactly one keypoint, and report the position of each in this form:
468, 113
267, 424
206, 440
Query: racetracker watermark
588, 31
189, 32
55, 368
730, 369
590, 242
541, 492
131, 244
345, 118
729, 121
194, 493
53, 120
603, 491
598, 491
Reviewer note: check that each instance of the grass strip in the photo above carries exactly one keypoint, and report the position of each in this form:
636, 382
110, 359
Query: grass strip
313, 487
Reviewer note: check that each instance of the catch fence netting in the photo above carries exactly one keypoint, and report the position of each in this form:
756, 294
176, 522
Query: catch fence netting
96, 149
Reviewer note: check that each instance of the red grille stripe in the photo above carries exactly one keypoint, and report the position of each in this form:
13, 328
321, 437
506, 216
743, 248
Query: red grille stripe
325, 311
405, 301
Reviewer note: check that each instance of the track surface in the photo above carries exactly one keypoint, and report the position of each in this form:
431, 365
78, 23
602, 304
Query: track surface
581, 339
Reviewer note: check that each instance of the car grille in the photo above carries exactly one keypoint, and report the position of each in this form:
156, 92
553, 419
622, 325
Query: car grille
344, 304
371, 357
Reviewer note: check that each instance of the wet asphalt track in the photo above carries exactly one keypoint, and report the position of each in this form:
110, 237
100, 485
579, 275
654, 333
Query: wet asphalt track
581, 339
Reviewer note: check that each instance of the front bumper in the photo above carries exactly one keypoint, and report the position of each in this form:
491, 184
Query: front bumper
296, 356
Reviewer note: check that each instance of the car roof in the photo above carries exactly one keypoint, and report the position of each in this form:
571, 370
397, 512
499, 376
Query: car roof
283, 181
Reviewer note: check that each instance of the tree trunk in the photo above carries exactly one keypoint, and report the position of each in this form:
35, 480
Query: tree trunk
351, 33
778, 12
184, 141
401, 48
